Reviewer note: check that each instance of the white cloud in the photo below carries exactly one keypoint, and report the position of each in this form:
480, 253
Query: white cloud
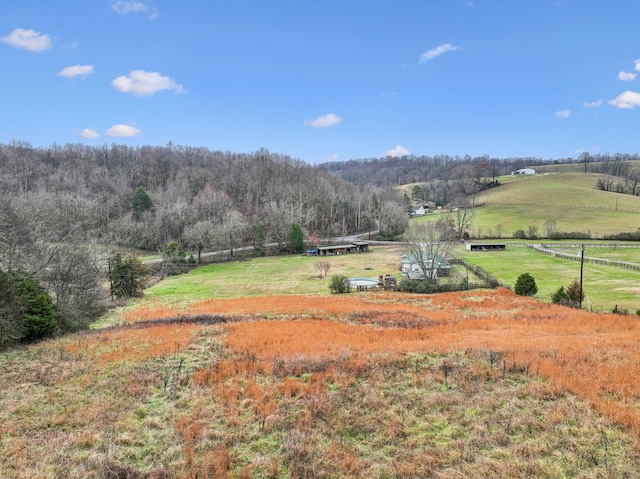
126, 131
142, 83
89, 134
437, 51
637, 62
563, 114
627, 100
76, 70
124, 7
333, 157
28, 40
330, 119
398, 151
592, 104
627, 76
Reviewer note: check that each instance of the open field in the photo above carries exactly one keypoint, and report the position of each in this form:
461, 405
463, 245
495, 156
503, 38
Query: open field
577, 167
374, 385
571, 199
274, 275
604, 286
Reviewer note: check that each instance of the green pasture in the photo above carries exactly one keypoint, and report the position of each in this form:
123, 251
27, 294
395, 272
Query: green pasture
604, 286
614, 253
273, 275
570, 199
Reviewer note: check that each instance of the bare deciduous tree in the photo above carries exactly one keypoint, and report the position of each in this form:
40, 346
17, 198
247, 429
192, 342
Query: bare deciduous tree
550, 228
323, 268
430, 245
199, 236
463, 215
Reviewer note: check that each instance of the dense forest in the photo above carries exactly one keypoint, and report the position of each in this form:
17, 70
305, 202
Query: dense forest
66, 211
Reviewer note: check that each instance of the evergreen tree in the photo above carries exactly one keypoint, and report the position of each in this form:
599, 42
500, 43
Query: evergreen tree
140, 203
38, 317
560, 296
296, 239
525, 285
128, 276
26, 309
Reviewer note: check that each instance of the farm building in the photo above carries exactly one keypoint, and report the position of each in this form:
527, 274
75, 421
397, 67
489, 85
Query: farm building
524, 171
412, 268
486, 246
355, 247
423, 210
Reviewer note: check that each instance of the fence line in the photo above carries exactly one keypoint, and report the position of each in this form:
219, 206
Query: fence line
586, 259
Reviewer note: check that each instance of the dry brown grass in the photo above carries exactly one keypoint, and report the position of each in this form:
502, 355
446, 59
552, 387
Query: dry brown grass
480, 384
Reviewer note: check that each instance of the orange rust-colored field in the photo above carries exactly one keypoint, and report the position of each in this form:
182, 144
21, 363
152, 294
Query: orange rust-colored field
595, 356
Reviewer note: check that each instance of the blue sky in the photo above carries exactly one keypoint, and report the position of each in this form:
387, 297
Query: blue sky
325, 80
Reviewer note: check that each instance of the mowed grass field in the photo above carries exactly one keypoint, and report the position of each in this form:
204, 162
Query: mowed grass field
604, 286
275, 275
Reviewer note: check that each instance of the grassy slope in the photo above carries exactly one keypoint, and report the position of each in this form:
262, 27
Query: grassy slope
262, 399
571, 199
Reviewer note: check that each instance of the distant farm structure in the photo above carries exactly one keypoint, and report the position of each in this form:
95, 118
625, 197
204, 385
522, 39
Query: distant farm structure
355, 247
486, 246
524, 171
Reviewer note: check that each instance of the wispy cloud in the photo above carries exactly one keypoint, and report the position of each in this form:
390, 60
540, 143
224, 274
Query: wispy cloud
28, 40
125, 131
143, 83
437, 51
592, 104
469, 3
325, 121
89, 134
392, 93
563, 114
398, 151
76, 70
124, 7
333, 157
627, 100
626, 76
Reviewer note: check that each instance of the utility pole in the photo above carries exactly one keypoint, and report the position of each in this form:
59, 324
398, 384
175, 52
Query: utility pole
581, 269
